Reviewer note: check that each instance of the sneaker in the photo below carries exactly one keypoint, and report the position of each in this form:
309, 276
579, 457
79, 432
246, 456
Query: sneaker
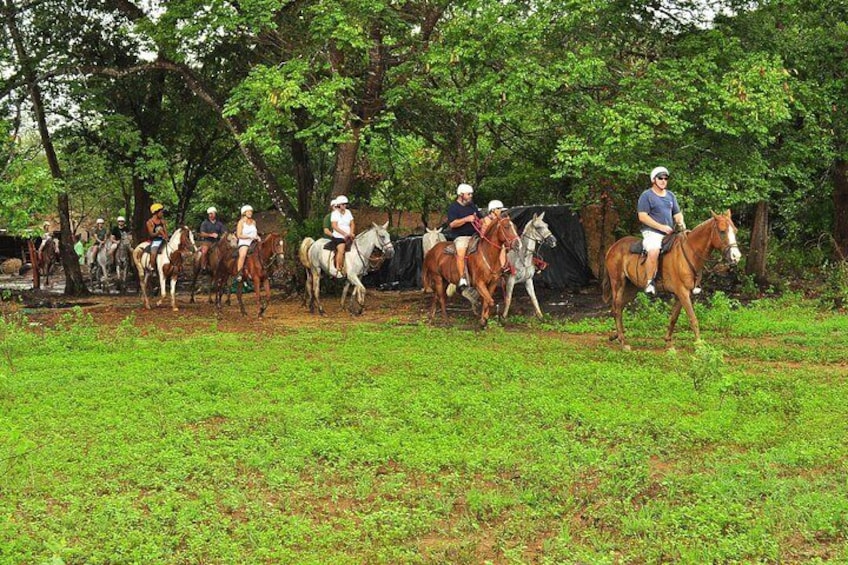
462, 282
696, 290
340, 275
649, 289
239, 278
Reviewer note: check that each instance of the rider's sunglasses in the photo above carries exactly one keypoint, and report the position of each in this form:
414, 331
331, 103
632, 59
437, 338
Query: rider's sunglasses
662, 177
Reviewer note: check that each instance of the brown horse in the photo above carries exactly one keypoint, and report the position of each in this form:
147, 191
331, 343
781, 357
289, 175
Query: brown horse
483, 266
679, 268
258, 265
48, 259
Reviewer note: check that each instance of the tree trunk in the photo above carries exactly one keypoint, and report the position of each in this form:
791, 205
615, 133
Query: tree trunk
755, 265
141, 209
345, 162
303, 176
840, 207
74, 284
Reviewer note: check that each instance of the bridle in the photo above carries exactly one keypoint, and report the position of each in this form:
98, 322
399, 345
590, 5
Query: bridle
508, 241
379, 245
726, 247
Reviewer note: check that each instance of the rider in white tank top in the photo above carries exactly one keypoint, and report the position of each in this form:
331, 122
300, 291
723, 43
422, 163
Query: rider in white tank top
249, 231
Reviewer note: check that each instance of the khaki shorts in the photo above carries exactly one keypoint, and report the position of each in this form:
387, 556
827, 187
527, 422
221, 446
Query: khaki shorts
462, 242
651, 240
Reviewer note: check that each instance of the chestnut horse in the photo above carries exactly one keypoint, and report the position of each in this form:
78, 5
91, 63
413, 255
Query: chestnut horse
483, 266
258, 265
679, 268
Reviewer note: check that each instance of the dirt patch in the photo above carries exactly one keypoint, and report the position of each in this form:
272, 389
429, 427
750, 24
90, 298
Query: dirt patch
287, 310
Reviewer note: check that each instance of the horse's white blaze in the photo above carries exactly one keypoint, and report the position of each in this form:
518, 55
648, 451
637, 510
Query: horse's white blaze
735, 254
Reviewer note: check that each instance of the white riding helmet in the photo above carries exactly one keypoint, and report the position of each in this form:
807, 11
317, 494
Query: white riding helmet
334, 202
496, 205
100, 221
121, 219
464, 189
658, 171
341, 199
211, 210
245, 208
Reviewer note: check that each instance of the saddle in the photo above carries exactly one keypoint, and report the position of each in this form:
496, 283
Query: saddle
667, 243
250, 250
450, 248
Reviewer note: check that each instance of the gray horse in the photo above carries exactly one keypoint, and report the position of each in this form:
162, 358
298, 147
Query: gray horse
123, 259
315, 259
536, 233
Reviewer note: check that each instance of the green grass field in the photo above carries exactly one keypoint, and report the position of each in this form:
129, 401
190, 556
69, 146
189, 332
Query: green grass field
540, 443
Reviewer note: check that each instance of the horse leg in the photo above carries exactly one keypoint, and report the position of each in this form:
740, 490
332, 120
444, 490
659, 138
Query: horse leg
686, 299
487, 302
672, 321
510, 286
344, 293
174, 293
195, 271
531, 290
239, 292
309, 302
316, 290
266, 284
163, 287
260, 300
146, 277
357, 294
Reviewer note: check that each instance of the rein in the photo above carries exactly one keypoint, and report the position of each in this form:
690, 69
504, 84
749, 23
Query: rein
703, 258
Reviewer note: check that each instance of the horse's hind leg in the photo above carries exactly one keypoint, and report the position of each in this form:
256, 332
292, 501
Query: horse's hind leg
316, 290
174, 293
195, 271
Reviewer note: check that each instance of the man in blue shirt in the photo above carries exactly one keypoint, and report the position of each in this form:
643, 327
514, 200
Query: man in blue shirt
462, 213
658, 209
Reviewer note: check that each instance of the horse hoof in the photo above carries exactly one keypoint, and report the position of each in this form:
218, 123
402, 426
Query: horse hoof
626, 348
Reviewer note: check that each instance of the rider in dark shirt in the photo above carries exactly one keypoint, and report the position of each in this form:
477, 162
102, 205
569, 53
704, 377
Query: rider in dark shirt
462, 213
117, 234
211, 230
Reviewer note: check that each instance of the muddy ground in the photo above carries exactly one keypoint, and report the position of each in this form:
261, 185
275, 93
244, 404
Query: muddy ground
286, 309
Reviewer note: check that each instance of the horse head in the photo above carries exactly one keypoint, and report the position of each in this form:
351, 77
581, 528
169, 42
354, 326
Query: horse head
724, 237
537, 229
384, 240
503, 233
276, 249
186, 244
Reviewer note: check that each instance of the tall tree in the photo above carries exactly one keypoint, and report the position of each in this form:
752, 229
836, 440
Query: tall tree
74, 284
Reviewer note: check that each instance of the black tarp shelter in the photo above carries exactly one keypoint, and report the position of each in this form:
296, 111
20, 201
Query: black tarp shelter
568, 262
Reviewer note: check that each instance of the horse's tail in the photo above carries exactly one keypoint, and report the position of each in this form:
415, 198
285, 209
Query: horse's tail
425, 278
606, 288
303, 252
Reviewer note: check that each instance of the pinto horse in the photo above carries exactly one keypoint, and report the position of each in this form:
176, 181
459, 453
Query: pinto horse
265, 256
483, 266
169, 264
679, 268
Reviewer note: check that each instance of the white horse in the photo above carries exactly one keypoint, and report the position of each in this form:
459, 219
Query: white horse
431, 238
536, 233
315, 259
169, 264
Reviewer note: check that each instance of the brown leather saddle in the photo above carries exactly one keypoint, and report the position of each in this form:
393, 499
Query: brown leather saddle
450, 248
